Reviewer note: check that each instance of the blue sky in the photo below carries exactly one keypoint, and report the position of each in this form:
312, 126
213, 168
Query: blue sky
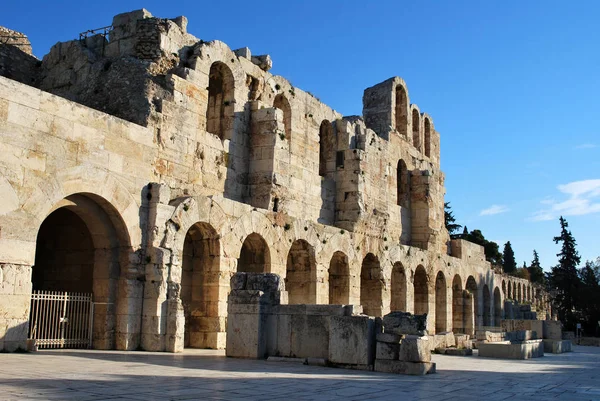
512, 87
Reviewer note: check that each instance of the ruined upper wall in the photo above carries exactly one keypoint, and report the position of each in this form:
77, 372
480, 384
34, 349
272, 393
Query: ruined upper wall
16, 59
254, 137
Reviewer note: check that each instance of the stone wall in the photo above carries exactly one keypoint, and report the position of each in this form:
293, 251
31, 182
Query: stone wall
345, 210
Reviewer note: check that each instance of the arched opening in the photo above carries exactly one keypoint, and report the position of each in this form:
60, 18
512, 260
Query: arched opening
371, 286
416, 128
472, 306
326, 148
301, 274
458, 325
399, 291
339, 279
497, 307
421, 291
402, 184
81, 247
283, 104
519, 293
200, 285
401, 110
487, 316
504, 288
220, 111
427, 128
441, 310
515, 295
255, 256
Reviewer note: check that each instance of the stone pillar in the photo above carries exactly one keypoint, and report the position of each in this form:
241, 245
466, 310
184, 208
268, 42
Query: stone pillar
15, 300
251, 300
322, 284
175, 330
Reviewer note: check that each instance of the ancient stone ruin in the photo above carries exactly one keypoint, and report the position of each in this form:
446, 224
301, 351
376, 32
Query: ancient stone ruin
147, 167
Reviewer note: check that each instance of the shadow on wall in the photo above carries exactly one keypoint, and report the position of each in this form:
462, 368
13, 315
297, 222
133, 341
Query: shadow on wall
14, 338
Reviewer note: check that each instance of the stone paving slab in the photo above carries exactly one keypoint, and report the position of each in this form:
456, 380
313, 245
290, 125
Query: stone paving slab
208, 375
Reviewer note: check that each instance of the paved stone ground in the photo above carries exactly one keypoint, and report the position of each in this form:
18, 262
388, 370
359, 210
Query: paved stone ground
199, 375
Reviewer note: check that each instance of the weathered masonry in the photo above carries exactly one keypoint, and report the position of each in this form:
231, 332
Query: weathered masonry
145, 166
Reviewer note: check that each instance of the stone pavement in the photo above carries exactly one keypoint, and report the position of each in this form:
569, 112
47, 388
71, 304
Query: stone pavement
207, 375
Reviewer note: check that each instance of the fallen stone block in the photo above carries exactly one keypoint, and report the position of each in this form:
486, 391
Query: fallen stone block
455, 351
507, 350
387, 351
557, 346
405, 323
351, 340
415, 349
388, 338
404, 367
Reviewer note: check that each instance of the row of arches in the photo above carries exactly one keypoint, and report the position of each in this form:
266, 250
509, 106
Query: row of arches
401, 121
519, 291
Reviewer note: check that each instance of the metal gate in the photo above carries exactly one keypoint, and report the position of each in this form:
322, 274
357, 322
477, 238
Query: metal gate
61, 319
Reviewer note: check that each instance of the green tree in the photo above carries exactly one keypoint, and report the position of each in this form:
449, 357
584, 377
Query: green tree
510, 264
450, 220
564, 277
589, 296
522, 272
536, 273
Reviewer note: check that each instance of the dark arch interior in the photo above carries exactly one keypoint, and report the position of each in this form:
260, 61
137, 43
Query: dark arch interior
371, 286
339, 279
301, 274
421, 292
398, 302
64, 257
254, 257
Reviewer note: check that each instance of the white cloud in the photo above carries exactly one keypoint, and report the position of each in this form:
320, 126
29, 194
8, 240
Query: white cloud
586, 146
494, 209
583, 197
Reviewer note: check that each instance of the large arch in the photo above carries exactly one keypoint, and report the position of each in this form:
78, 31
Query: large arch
441, 304
326, 147
472, 307
200, 283
283, 104
82, 246
339, 279
401, 118
301, 273
255, 256
458, 324
371, 286
504, 288
497, 307
399, 288
421, 291
220, 110
510, 291
487, 306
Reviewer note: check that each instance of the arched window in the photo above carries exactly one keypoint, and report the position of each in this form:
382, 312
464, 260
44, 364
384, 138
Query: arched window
427, 126
401, 110
283, 104
219, 113
402, 184
326, 143
416, 127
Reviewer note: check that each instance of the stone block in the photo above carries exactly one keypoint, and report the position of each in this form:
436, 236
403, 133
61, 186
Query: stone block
388, 338
405, 323
557, 346
415, 349
506, 350
552, 330
387, 351
351, 340
404, 368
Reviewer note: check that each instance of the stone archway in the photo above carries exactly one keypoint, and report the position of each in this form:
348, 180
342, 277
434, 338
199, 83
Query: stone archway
199, 285
301, 274
497, 307
441, 304
458, 324
82, 246
472, 309
421, 291
487, 316
254, 256
371, 286
339, 279
399, 301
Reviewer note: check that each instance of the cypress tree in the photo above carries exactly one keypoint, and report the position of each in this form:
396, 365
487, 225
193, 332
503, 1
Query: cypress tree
510, 264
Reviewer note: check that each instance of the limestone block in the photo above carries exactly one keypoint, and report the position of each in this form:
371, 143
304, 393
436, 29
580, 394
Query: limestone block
403, 367
415, 349
405, 323
387, 351
552, 330
557, 346
388, 338
351, 340
524, 350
